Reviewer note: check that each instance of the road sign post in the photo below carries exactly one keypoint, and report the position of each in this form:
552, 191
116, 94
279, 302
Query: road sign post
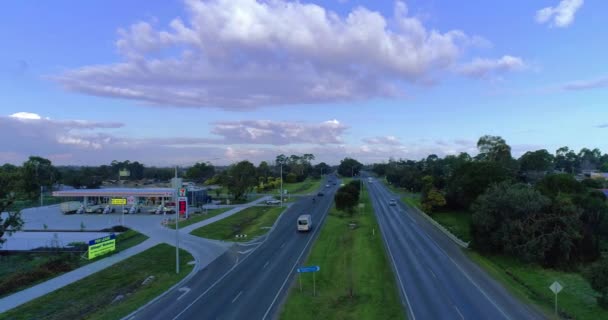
556, 287
121, 202
312, 269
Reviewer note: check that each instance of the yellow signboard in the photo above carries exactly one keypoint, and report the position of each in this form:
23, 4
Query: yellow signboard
119, 201
101, 246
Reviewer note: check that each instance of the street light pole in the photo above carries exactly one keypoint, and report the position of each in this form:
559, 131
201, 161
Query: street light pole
281, 195
175, 202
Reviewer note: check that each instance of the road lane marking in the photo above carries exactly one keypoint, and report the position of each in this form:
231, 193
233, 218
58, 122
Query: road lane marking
265, 264
246, 251
458, 311
237, 296
185, 291
432, 273
282, 245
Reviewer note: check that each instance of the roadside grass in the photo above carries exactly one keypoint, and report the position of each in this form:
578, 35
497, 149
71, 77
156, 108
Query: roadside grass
351, 261
531, 283
92, 297
21, 270
253, 221
198, 217
307, 186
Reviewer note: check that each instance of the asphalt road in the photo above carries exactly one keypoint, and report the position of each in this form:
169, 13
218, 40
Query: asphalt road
435, 279
249, 281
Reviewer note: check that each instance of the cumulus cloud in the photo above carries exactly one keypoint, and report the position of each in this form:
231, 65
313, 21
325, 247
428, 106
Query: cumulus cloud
386, 140
560, 16
243, 54
484, 68
586, 84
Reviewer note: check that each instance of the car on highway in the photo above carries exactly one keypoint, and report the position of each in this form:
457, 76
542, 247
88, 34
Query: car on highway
326, 186
392, 202
304, 222
320, 194
273, 201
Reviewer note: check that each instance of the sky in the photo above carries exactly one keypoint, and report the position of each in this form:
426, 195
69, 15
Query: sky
179, 82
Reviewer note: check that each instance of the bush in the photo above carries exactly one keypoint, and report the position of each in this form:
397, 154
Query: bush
597, 275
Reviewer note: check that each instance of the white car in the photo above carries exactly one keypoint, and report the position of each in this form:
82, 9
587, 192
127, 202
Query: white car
273, 201
108, 209
94, 208
133, 209
392, 202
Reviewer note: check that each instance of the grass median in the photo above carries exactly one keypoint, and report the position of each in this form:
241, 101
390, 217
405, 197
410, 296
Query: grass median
253, 221
21, 270
355, 280
95, 297
198, 217
307, 186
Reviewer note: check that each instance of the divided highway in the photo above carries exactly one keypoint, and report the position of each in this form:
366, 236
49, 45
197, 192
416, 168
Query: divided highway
436, 280
250, 281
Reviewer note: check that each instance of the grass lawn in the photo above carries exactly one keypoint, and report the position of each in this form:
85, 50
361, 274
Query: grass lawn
349, 259
19, 271
307, 186
198, 217
457, 222
92, 297
253, 221
531, 283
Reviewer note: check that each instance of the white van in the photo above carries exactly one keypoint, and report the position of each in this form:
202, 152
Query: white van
304, 222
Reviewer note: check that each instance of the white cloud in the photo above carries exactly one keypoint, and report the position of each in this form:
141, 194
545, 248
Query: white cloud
26, 115
560, 16
586, 84
484, 68
386, 140
243, 54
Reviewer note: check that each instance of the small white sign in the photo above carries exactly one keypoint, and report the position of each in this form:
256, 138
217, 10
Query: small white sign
556, 287
130, 200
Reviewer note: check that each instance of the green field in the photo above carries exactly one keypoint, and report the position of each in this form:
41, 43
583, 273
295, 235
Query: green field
198, 217
19, 271
92, 297
253, 221
531, 283
351, 261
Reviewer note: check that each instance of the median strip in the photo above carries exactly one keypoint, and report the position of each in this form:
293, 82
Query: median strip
242, 226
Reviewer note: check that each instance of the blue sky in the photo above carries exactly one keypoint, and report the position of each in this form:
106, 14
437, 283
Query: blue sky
244, 85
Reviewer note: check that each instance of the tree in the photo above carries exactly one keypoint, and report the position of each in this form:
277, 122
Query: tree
239, 179
539, 160
321, 169
263, 172
433, 199
38, 172
345, 201
589, 159
494, 148
554, 184
471, 179
349, 167
597, 275
200, 171
566, 160
10, 221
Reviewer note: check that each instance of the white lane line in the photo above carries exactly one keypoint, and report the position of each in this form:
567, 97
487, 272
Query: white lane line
265, 264
185, 290
458, 311
246, 251
432, 273
282, 245
237, 296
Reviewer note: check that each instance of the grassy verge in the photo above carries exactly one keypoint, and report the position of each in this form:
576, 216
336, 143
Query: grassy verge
457, 222
198, 218
253, 221
93, 296
351, 261
531, 283
21, 270
307, 186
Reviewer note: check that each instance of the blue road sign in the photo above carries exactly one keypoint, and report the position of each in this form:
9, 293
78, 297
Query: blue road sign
103, 239
309, 269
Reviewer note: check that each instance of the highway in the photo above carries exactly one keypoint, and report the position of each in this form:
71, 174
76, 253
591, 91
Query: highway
249, 281
435, 278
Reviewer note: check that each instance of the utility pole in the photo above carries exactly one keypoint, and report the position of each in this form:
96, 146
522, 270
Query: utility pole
176, 224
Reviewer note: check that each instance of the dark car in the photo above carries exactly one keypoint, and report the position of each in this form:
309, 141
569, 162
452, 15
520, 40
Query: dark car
320, 194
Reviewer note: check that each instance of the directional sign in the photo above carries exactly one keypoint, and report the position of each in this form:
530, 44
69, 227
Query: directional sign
99, 247
556, 287
309, 269
119, 201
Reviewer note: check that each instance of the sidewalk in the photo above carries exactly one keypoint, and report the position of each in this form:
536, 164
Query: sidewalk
65, 279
